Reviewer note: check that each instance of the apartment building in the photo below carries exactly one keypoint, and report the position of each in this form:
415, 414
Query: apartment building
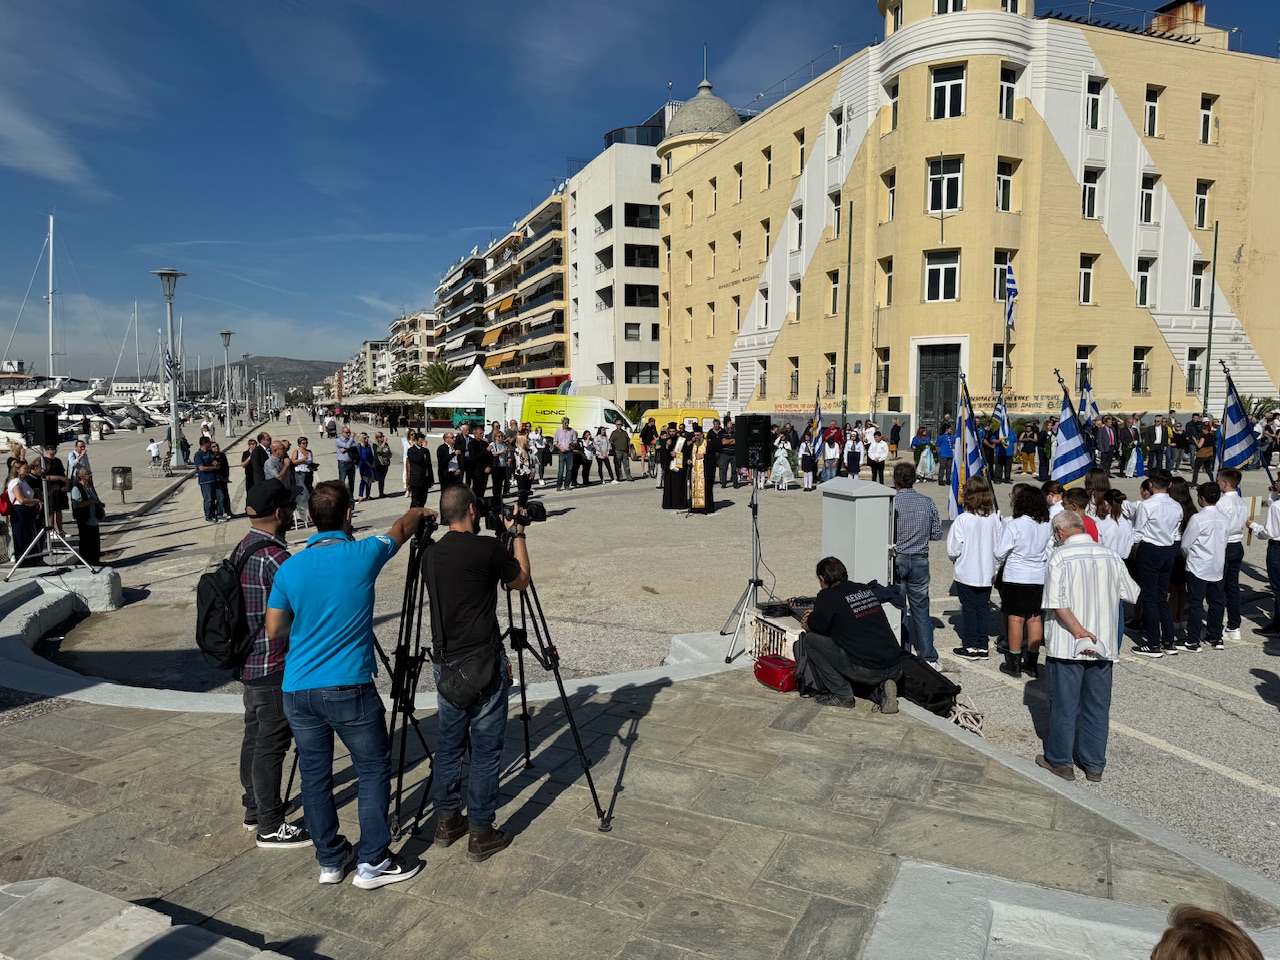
860, 231
412, 340
459, 312
369, 369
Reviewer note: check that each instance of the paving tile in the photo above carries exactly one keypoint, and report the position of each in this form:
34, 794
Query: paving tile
851, 874
994, 803
883, 773
787, 901
377, 917
53, 913
440, 931
795, 716
844, 727
718, 928
1011, 851
242, 879
137, 763
963, 771
543, 926
62, 787
269, 929
641, 948
123, 718
490, 888
729, 759
668, 866
922, 739
829, 930
1251, 911
869, 808
595, 870
1070, 817
1150, 876
734, 799
666, 828
46, 755
803, 779
740, 725
29, 816
678, 784
737, 862
637, 897
11, 770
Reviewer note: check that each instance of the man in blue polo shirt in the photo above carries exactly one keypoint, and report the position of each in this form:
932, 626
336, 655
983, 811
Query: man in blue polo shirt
328, 681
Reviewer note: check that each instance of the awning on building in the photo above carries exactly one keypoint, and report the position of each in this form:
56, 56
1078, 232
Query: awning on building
491, 337
497, 359
507, 304
538, 349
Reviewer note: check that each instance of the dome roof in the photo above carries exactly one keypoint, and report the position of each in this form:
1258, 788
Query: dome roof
705, 113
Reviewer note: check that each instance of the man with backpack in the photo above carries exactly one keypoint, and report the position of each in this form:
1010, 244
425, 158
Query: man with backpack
269, 505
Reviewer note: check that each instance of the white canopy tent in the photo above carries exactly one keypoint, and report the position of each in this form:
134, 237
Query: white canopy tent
475, 392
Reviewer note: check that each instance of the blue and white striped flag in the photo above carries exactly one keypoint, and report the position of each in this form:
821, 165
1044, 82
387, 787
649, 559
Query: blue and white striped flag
1010, 293
1001, 414
1071, 460
1088, 406
1238, 443
968, 460
173, 366
817, 426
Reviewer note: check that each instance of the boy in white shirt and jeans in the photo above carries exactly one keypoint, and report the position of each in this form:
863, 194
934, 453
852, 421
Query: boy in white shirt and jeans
1236, 511
1204, 544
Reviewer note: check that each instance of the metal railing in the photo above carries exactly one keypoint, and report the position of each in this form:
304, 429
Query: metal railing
552, 227
537, 333
538, 301
601, 229
542, 266
548, 364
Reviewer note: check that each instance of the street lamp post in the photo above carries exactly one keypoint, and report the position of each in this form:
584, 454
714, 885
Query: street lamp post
226, 356
244, 382
168, 280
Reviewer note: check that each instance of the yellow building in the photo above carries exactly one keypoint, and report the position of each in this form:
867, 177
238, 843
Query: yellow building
897, 189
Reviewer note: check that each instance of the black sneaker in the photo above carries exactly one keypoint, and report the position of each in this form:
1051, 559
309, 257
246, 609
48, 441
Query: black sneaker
972, 653
831, 700
1188, 647
1147, 650
286, 837
392, 870
1170, 648
1218, 644
250, 823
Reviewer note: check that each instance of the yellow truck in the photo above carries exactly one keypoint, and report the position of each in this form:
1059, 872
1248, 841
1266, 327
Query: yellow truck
685, 416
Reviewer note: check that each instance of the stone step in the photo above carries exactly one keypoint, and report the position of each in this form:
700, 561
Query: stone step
697, 648
55, 919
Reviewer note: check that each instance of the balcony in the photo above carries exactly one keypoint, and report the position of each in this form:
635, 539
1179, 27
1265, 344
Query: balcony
549, 229
539, 333
551, 296
461, 309
464, 328
550, 363
538, 269
505, 317
461, 353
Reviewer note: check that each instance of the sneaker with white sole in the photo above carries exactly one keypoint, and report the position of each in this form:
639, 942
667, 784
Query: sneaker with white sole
392, 870
1231, 634
287, 836
335, 874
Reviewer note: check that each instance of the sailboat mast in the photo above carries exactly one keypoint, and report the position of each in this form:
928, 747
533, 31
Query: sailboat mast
51, 371
137, 350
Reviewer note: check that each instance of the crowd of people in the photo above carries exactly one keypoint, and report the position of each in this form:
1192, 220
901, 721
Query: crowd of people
26, 511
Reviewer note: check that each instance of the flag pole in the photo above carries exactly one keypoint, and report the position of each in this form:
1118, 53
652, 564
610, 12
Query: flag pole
1231, 389
1213, 290
1067, 394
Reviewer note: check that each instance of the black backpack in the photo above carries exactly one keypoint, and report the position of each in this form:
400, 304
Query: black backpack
924, 685
222, 629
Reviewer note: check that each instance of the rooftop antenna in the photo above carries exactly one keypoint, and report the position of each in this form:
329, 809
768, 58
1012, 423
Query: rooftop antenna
704, 61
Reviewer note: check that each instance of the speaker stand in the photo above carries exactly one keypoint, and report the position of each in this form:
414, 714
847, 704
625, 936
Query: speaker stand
750, 598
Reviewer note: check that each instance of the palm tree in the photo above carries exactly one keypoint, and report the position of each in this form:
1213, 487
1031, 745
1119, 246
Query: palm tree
437, 378
408, 383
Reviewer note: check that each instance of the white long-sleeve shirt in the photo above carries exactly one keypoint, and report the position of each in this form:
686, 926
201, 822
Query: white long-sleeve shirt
971, 544
1271, 529
1204, 544
877, 450
1023, 546
1158, 521
1116, 535
1236, 511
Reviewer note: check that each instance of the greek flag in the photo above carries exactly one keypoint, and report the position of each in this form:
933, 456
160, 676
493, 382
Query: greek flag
172, 366
1071, 460
817, 424
1238, 444
1010, 293
968, 460
1088, 406
1001, 414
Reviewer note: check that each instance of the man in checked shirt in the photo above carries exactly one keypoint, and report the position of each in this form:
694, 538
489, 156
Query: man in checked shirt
269, 505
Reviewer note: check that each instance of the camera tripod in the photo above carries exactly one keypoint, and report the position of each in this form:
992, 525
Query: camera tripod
46, 535
404, 666
750, 598
548, 657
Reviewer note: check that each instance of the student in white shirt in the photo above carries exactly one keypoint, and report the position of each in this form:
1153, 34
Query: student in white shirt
1053, 492
1023, 546
971, 545
1157, 527
877, 454
1114, 529
1270, 532
1236, 511
1204, 544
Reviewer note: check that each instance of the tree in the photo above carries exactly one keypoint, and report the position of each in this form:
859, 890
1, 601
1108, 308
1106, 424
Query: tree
408, 383
440, 378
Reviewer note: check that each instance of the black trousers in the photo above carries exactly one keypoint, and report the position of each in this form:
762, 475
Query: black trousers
262, 752
418, 496
1154, 566
877, 470
837, 671
89, 543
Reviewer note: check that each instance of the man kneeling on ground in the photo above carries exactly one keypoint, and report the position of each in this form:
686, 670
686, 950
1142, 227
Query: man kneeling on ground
848, 639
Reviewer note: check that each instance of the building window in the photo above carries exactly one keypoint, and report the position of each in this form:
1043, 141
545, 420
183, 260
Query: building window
837, 131
733, 381
711, 187
1087, 261
893, 106
655, 172
688, 383
886, 268
830, 377
944, 184
799, 135
688, 208
1138, 379
762, 378
1089, 202
797, 229
668, 163
641, 371
794, 363
763, 321
737, 173
767, 155
1000, 286
833, 279
948, 92
1093, 104
655, 332
711, 319
1151, 115
997, 367
1147, 200
1199, 274
643, 215
737, 314
640, 295
942, 276
891, 194
631, 331
897, 17
711, 259
737, 250
1146, 288
1202, 204
1195, 364
640, 255
947, 6
1010, 6
835, 214
1004, 185
688, 316
1207, 104
1083, 366
795, 300
1008, 91
688, 267
882, 378
765, 237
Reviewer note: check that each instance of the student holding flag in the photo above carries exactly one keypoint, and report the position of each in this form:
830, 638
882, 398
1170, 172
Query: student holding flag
967, 449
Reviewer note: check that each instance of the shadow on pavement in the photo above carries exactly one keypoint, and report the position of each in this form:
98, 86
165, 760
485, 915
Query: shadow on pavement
1269, 685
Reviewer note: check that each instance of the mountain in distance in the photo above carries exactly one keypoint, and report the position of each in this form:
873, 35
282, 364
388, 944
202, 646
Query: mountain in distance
285, 373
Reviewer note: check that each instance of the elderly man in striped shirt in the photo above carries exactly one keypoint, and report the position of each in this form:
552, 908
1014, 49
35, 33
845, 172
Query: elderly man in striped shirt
1084, 583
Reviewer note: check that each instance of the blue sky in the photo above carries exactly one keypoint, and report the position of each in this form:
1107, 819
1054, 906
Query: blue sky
314, 165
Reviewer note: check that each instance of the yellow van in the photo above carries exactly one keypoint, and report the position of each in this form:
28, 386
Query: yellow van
681, 415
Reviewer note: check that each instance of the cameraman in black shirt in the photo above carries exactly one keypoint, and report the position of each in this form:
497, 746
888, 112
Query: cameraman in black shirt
849, 640
466, 569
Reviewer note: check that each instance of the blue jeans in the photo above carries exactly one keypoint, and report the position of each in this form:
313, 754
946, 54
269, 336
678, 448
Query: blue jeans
210, 493
486, 723
1198, 593
347, 474
1079, 713
975, 616
1231, 583
564, 468
356, 714
913, 573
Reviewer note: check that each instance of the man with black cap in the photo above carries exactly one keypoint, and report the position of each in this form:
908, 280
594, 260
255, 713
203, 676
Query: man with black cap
269, 506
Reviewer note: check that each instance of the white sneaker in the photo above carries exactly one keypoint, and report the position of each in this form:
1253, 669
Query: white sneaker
335, 874
392, 870
1231, 634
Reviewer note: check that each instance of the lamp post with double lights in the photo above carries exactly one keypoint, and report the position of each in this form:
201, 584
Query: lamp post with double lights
226, 392
168, 281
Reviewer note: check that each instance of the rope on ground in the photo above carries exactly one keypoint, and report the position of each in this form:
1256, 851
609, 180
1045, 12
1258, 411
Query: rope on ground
966, 716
